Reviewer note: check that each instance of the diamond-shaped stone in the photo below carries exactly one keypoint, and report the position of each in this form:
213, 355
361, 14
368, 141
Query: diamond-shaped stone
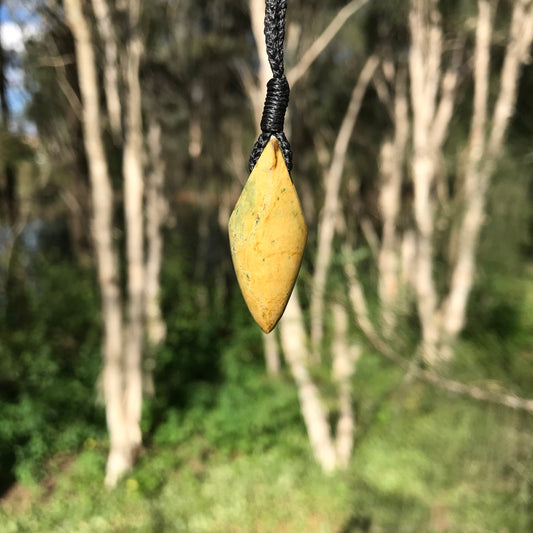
267, 235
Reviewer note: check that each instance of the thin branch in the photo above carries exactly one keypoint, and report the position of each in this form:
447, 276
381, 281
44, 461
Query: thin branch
332, 182
320, 43
65, 86
448, 89
57, 61
371, 236
481, 83
520, 38
383, 91
358, 303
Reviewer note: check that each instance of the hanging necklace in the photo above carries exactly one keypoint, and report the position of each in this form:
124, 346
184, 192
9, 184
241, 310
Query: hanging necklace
267, 231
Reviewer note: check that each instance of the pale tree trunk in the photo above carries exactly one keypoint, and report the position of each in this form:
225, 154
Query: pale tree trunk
391, 173
345, 358
257, 91
156, 210
120, 457
195, 136
431, 118
408, 258
424, 68
272, 358
195, 124
133, 208
293, 341
332, 205
111, 69
481, 153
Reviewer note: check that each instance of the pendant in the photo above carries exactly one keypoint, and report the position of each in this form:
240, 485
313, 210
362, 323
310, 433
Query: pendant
267, 234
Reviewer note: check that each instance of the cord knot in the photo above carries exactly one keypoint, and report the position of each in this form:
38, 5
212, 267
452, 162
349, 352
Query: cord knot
276, 102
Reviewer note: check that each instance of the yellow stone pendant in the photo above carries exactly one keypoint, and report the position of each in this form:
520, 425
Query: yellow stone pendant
267, 234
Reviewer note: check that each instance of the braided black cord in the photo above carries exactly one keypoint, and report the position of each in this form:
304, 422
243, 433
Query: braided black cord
277, 97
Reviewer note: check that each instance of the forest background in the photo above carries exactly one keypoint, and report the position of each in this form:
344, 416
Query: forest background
394, 395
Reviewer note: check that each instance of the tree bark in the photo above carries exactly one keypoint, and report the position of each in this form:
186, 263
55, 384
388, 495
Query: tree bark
111, 69
424, 69
133, 208
293, 341
120, 456
156, 210
257, 93
391, 175
345, 358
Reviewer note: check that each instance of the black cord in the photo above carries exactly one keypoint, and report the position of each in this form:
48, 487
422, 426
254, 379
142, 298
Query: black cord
277, 97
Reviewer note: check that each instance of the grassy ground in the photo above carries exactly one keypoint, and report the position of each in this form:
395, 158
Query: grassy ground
235, 457
423, 462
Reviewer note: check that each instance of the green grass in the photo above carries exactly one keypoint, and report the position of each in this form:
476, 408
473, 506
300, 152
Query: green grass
424, 462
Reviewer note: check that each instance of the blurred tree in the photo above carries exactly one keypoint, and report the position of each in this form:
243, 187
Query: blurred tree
409, 259
124, 438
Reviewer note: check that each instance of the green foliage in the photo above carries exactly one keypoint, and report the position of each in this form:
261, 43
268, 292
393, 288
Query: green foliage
424, 462
49, 360
226, 397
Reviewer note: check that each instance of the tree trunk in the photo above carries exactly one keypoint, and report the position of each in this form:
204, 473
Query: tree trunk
391, 174
345, 359
257, 92
133, 208
156, 210
270, 346
293, 341
120, 456
424, 68
111, 69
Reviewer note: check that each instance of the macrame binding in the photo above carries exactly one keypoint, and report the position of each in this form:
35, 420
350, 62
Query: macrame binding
277, 97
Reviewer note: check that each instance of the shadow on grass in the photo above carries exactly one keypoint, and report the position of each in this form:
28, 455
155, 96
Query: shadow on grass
357, 523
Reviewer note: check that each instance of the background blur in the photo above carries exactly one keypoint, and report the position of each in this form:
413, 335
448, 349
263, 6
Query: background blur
392, 396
